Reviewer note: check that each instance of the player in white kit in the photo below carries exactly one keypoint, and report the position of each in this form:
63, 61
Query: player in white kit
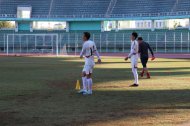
133, 55
88, 51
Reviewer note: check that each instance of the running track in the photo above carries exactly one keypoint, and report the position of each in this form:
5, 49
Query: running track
157, 55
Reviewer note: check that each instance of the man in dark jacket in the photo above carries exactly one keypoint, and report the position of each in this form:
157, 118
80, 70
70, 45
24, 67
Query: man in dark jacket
143, 51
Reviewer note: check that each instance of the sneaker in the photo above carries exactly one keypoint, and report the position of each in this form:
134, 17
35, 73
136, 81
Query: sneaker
134, 85
142, 74
82, 91
85, 93
90, 92
148, 76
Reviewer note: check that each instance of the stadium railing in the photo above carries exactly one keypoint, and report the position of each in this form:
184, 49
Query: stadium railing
179, 13
162, 41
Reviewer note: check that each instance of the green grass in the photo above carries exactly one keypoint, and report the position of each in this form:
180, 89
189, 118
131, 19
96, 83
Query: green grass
40, 91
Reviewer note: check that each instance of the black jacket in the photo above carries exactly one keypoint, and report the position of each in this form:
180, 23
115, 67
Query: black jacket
143, 49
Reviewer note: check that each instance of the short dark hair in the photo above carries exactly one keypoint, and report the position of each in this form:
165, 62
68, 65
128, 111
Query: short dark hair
87, 35
140, 38
135, 35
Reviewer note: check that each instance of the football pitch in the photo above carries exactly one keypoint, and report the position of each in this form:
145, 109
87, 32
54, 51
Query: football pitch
40, 91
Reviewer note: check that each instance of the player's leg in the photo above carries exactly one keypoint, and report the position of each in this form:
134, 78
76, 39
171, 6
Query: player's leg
144, 61
89, 70
134, 65
143, 70
134, 70
90, 83
84, 80
89, 79
146, 69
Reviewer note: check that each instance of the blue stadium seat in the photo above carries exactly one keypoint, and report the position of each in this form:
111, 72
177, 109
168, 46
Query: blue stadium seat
86, 8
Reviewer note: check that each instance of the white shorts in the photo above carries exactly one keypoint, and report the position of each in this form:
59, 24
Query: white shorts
88, 69
134, 61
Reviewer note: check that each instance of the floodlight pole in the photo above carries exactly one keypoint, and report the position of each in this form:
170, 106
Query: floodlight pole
27, 43
188, 42
156, 42
35, 43
7, 45
115, 42
100, 42
57, 46
181, 42
123, 42
165, 43
4, 42
19, 42
152, 25
52, 44
60, 36
189, 23
13, 43
69, 42
174, 42
75, 45
106, 42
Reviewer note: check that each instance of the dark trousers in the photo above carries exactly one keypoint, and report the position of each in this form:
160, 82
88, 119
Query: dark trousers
144, 60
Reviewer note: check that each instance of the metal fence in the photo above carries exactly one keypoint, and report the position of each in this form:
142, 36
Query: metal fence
30, 44
162, 42
62, 43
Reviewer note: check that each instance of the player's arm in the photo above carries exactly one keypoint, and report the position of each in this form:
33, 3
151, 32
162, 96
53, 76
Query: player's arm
82, 52
97, 54
129, 55
133, 51
136, 48
151, 51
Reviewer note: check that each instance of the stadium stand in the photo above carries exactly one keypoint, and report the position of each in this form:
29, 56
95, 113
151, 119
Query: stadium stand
80, 8
163, 40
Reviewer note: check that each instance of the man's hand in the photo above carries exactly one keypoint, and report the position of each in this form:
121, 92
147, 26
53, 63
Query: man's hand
99, 61
126, 58
153, 58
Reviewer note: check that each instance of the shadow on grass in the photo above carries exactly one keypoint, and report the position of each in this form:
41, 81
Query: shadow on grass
58, 68
124, 62
115, 105
68, 108
119, 74
59, 105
